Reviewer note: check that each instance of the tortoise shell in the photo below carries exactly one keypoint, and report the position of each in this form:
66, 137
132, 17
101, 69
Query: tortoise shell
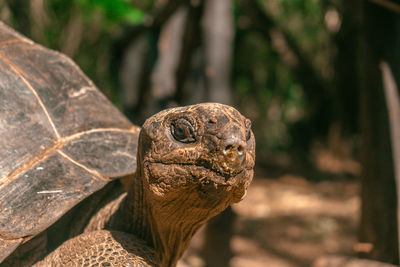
60, 139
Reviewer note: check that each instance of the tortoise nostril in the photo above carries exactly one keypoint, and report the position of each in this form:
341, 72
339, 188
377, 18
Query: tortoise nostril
233, 148
232, 154
228, 148
240, 150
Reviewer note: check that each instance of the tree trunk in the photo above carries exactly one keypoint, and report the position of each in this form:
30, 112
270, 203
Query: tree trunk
217, 240
190, 72
393, 106
378, 227
218, 41
169, 50
345, 65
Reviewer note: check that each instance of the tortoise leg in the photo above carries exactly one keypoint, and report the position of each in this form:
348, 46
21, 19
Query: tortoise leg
102, 248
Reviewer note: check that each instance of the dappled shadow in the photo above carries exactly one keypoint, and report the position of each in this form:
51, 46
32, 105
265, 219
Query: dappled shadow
297, 239
289, 221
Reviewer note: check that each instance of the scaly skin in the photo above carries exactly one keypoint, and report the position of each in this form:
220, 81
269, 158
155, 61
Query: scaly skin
102, 248
193, 162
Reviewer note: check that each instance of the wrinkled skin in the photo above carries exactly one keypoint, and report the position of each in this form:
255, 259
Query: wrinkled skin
221, 153
193, 162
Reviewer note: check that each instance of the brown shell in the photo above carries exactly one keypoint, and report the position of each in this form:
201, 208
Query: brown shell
60, 138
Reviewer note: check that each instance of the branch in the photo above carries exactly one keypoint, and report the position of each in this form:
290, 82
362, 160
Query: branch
393, 105
288, 50
388, 5
131, 34
151, 22
191, 40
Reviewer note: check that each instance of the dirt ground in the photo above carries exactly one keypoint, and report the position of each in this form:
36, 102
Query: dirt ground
288, 221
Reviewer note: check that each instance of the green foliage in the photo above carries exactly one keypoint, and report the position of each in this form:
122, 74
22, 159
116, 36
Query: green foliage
304, 21
114, 11
263, 79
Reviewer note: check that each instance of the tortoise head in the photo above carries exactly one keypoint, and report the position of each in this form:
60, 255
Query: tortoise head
203, 152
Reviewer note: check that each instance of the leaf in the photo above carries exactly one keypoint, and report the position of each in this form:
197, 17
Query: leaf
114, 11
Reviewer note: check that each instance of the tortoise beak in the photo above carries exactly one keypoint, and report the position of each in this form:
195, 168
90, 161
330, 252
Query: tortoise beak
232, 154
232, 151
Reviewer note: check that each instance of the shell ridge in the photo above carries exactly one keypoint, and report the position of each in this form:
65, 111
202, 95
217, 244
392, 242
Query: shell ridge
134, 129
93, 172
21, 76
62, 142
13, 41
30, 164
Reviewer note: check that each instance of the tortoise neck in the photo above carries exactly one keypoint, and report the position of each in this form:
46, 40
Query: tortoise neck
167, 226
173, 226
137, 211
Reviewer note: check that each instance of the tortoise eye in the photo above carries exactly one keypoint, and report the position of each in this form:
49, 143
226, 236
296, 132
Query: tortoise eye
182, 130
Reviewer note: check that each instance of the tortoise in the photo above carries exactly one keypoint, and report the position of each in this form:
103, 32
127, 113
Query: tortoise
80, 185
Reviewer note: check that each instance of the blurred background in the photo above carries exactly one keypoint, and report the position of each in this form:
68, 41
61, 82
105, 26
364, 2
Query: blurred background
308, 74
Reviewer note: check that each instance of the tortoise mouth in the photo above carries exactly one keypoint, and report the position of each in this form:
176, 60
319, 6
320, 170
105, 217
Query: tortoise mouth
208, 185
203, 174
